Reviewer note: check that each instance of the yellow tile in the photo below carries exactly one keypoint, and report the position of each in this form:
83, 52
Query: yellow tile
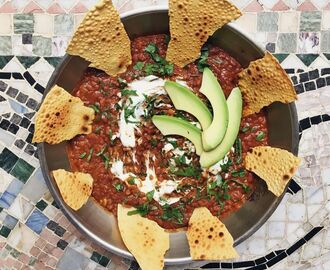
6, 24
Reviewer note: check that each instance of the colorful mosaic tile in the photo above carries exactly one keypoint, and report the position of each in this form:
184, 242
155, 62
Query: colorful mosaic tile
33, 231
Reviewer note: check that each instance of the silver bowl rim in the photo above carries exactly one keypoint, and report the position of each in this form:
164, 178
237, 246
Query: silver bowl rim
75, 221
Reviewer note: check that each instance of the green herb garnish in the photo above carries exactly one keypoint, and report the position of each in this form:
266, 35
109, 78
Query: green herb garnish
172, 213
89, 157
142, 209
245, 187
127, 92
239, 173
101, 151
122, 83
118, 186
82, 155
150, 195
260, 136
117, 107
245, 129
154, 142
202, 61
138, 66
238, 150
131, 181
97, 130
189, 171
95, 107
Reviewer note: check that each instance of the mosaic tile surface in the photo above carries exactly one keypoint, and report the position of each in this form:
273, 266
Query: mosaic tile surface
34, 234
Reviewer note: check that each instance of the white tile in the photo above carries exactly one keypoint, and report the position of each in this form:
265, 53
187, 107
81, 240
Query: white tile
320, 3
22, 238
44, 3
41, 71
311, 251
276, 229
5, 180
257, 246
67, 4
288, 22
241, 3
293, 3
6, 24
268, 4
326, 20
248, 22
296, 212
78, 18
44, 24
20, 208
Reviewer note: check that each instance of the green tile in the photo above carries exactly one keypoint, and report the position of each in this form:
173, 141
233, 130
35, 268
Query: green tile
267, 22
5, 45
96, 256
1, 209
281, 56
7, 160
5, 252
104, 261
4, 231
22, 170
41, 205
325, 41
32, 261
27, 61
54, 61
310, 21
23, 23
63, 24
287, 42
327, 55
4, 60
15, 253
42, 46
308, 58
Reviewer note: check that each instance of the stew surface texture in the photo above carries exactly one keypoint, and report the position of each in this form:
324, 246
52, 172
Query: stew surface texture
132, 163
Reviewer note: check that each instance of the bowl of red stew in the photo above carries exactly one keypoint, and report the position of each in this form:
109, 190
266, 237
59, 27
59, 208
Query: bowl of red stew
245, 203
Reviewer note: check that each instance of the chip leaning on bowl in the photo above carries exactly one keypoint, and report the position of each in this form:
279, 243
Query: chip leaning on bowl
167, 134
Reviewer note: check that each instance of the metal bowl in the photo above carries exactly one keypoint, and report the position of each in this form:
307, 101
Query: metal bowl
101, 226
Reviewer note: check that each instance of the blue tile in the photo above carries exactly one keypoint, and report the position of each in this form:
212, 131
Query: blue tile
37, 221
72, 259
10, 222
6, 200
18, 108
10, 194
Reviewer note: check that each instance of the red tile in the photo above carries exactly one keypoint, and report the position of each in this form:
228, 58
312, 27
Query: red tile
57, 253
51, 262
306, 6
40, 243
32, 8
280, 6
24, 258
55, 9
79, 8
39, 266
10, 262
35, 251
7, 8
254, 6
48, 248
18, 265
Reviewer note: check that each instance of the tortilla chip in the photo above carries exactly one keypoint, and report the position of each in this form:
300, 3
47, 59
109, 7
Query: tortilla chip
61, 117
208, 237
191, 23
75, 188
101, 39
264, 82
144, 238
274, 165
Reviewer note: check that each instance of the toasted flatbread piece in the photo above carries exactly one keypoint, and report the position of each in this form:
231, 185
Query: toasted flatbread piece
191, 24
208, 237
144, 238
264, 82
75, 188
274, 165
61, 117
102, 40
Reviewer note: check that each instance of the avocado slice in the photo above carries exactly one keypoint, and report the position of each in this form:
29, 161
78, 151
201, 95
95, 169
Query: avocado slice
213, 135
170, 125
185, 100
235, 104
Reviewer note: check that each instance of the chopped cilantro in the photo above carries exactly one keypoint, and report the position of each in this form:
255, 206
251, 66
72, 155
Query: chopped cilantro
238, 150
260, 136
174, 143
172, 213
138, 66
202, 61
122, 82
82, 155
245, 187
154, 142
150, 106
239, 173
150, 195
117, 106
118, 186
127, 92
187, 171
181, 115
97, 130
128, 112
151, 48
95, 107
101, 151
142, 209
110, 137
225, 167
245, 129
131, 181
89, 157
